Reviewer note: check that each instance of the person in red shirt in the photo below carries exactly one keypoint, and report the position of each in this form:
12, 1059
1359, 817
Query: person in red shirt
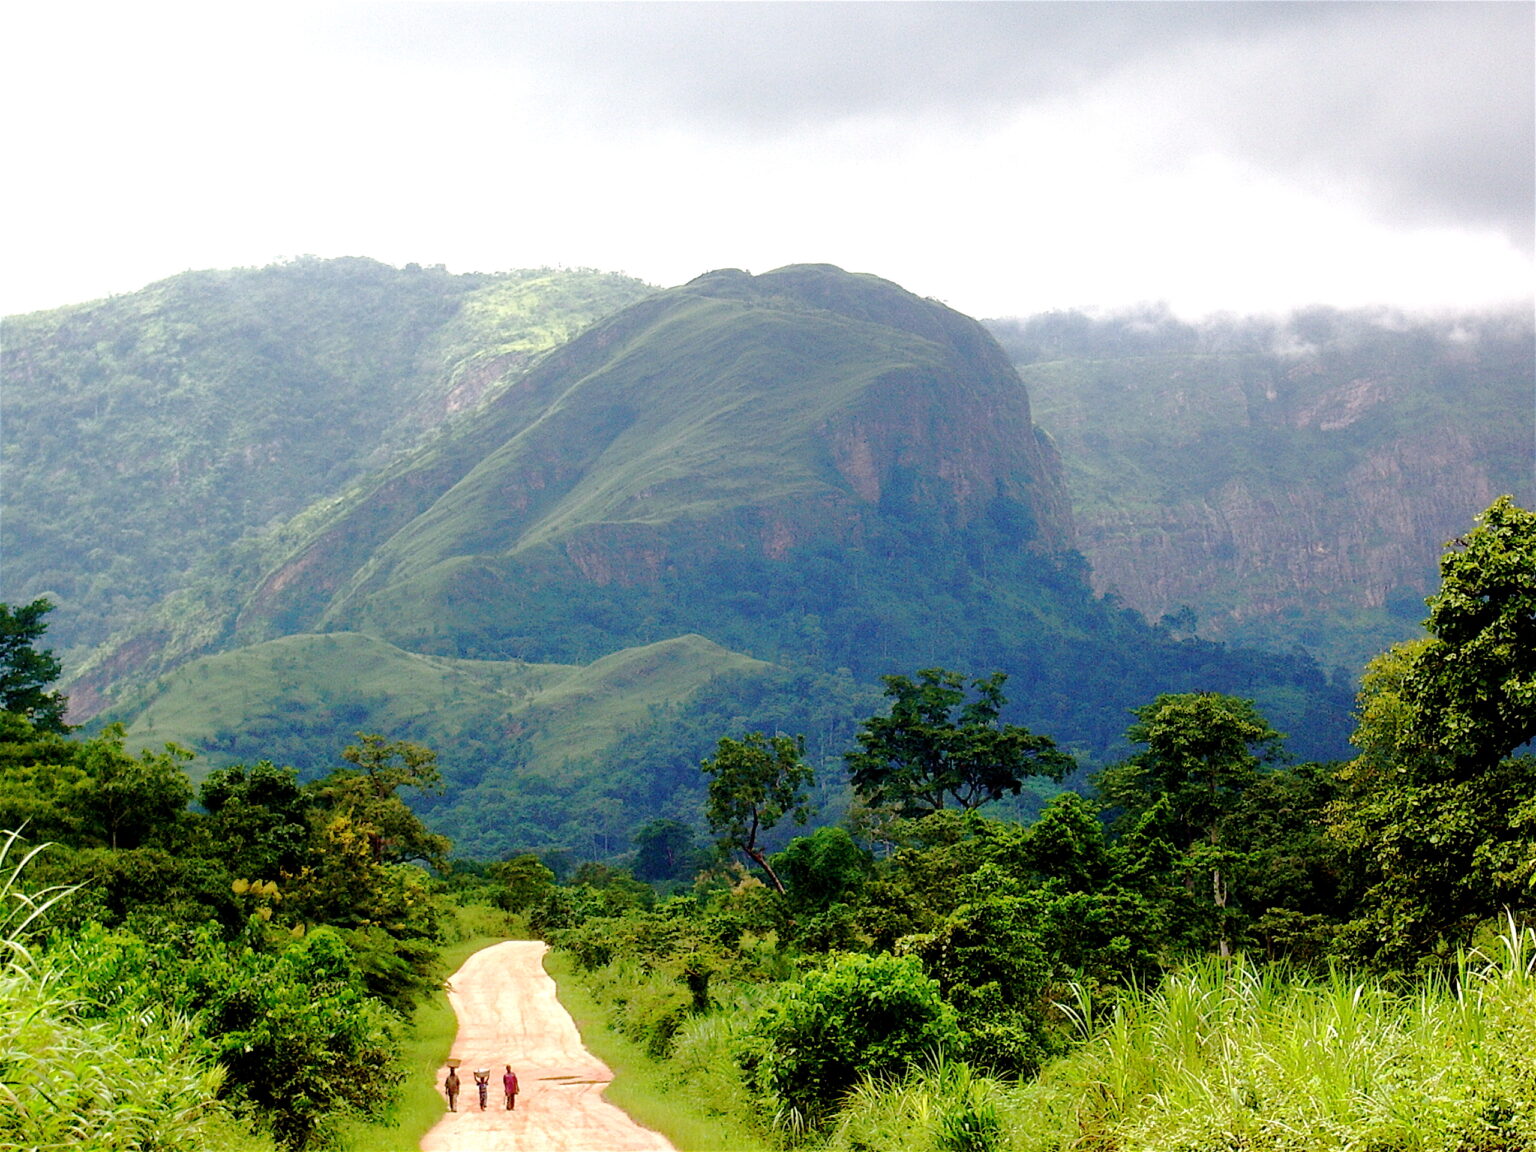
509, 1087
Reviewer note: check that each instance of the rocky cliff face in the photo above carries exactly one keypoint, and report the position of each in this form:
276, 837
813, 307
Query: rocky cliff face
1291, 498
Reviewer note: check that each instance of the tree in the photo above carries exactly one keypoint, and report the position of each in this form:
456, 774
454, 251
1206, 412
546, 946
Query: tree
861, 1016
26, 671
366, 796
925, 752
258, 819
823, 868
664, 850
1472, 688
127, 800
1435, 816
1203, 751
756, 782
524, 881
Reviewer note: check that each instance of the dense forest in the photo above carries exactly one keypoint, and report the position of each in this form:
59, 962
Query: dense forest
1204, 946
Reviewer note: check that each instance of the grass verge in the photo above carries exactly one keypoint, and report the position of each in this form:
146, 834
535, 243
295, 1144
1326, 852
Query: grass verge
641, 1085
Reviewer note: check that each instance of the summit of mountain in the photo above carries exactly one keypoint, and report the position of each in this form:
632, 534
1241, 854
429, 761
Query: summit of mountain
735, 420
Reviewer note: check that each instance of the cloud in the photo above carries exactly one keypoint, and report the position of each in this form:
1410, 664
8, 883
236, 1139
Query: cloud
1003, 156
1423, 111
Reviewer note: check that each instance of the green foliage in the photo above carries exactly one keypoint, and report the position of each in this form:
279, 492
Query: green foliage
823, 868
754, 783
39, 779
155, 437
1435, 820
924, 752
259, 816
1472, 688
125, 800
524, 882
858, 1017
1203, 754
367, 798
271, 936
26, 671
665, 850
299, 1041
140, 1076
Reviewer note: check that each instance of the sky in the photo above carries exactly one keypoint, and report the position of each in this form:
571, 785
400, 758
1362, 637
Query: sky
1006, 158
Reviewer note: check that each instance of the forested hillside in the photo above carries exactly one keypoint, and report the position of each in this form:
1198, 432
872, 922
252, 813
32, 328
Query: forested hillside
821, 477
817, 472
1286, 482
152, 437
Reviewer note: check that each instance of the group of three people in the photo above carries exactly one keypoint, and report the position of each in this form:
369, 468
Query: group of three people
482, 1083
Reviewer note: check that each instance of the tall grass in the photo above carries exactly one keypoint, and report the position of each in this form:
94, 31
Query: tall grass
1232, 1056
130, 1080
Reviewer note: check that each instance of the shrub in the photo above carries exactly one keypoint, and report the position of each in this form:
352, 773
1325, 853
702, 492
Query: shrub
861, 1016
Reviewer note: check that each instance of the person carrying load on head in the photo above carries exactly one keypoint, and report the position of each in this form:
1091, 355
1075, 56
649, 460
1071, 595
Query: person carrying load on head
483, 1083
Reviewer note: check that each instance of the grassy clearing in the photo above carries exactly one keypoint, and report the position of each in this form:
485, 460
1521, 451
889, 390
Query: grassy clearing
425, 1048
643, 1086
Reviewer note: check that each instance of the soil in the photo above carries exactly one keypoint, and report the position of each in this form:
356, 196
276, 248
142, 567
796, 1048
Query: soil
508, 1014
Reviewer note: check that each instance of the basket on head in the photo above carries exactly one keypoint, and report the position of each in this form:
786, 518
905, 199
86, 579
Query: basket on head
454, 1063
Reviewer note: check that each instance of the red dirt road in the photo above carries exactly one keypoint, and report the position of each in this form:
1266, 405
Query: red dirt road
508, 1014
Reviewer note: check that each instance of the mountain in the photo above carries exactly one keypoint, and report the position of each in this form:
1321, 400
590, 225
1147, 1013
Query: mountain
728, 424
761, 492
1282, 483
151, 435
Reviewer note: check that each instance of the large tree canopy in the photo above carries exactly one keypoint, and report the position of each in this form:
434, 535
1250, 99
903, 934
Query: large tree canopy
935, 746
754, 783
1436, 817
1473, 687
1203, 753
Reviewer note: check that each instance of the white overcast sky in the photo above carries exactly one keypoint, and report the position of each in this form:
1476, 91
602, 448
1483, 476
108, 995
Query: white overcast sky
1007, 158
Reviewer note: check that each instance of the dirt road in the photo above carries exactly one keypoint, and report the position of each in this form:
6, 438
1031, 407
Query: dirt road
508, 1014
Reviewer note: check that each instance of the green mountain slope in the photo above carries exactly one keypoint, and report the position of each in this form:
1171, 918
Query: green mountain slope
815, 468
148, 434
1293, 482
732, 505
733, 417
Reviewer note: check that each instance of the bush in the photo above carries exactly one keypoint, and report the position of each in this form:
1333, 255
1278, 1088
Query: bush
861, 1016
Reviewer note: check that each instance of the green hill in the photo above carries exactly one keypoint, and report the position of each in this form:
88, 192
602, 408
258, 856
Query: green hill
732, 505
516, 736
153, 436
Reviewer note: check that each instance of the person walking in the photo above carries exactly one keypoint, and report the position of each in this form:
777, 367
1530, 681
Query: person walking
509, 1087
451, 1087
483, 1083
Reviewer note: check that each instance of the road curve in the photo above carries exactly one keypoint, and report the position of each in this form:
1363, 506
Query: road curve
508, 1014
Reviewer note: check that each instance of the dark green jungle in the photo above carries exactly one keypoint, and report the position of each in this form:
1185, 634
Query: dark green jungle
908, 735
